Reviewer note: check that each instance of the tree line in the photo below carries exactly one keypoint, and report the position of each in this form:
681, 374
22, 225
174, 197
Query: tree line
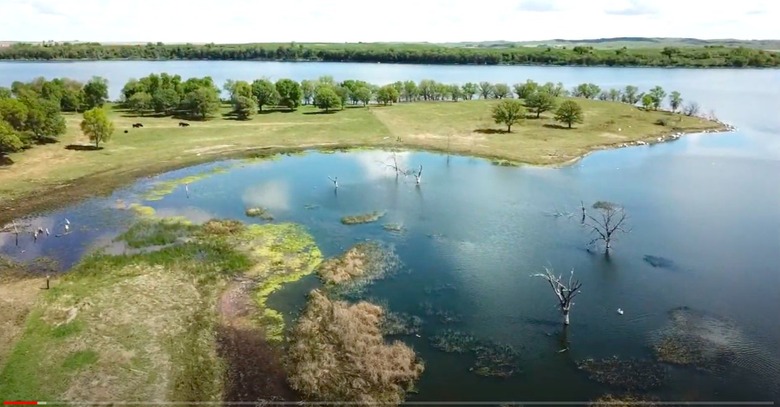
31, 113
707, 56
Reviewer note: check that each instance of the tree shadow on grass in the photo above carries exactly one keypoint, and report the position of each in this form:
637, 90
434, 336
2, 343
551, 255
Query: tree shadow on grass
143, 116
81, 147
355, 107
490, 131
322, 112
557, 126
45, 140
5, 161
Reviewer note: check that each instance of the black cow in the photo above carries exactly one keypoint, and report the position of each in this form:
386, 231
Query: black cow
125, 131
182, 124
137, 125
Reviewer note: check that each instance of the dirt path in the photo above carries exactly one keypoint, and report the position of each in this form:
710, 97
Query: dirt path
254, 370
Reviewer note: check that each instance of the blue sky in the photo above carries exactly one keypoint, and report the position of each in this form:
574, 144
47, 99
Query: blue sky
376, 20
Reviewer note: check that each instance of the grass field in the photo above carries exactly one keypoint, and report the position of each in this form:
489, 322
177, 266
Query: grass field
53, 174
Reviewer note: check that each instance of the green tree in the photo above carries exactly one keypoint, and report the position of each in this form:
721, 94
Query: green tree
455, 92
132, 87
13, 112
44, 119
670, 52
326, 98
72, 99
290, 93
9, 139
165, 100
244, 107
615, 94
265, 93
97, 126
387, 94
95, 92
587, 90
140, 102
364, 94
343, 93
202, 102
675, 100
307, 87
508, 112
540, 102
647, 101
486, 90
426, 89
501, 91
658, 94
631, 95
469, 90
238, 88
569, 112
524, 90
410, 91
5, 93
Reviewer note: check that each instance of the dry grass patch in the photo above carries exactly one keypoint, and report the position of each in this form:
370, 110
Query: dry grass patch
337, 353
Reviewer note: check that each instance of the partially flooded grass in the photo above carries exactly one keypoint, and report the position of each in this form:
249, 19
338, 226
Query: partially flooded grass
259, 212
491, 359
352, 271
625, 400
362, 218
400, 323
164, 188
337, 354
161, 232
393, 227
625, 374
140, 327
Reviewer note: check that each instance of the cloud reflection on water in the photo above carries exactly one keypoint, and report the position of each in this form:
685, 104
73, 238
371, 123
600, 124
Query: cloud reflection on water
273, 195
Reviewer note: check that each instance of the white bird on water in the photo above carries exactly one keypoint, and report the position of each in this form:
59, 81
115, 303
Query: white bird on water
335, 181
67, 224
418, 176
620, 311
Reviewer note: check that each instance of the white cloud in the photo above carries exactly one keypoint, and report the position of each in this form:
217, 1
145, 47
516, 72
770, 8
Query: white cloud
241, 21
272, 195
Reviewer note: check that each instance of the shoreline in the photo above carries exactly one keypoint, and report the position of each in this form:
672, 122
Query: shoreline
103, 184
692, 67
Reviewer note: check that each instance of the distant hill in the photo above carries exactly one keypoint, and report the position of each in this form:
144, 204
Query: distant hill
628, 42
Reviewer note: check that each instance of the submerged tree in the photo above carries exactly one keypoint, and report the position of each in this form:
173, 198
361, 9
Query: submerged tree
565, 291
610, 221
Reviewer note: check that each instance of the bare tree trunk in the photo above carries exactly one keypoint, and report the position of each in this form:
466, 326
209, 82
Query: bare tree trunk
566, 317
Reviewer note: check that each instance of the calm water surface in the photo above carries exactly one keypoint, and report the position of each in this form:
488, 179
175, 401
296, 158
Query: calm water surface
710, 203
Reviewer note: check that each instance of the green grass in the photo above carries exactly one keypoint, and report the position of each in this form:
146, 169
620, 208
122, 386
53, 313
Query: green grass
362, 218
143, 327
460, 128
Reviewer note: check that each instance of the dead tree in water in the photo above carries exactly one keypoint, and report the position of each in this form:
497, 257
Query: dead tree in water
609, 222
418, 175
565, 291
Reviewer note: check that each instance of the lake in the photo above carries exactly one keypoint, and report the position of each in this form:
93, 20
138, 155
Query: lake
473, 233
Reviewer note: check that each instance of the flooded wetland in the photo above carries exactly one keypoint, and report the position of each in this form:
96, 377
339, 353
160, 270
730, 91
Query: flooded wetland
681, 309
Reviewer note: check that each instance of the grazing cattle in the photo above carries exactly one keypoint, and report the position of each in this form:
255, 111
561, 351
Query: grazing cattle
137, 125
125, 131
182, 124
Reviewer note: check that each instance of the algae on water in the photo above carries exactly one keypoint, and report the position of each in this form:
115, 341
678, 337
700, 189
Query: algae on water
259, 212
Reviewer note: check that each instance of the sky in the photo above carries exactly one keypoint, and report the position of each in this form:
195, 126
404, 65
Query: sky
243, 21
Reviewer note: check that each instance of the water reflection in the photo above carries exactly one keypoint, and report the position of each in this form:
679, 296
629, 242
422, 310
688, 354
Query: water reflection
273, 195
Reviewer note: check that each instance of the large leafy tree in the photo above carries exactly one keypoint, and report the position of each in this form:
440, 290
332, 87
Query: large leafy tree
486, 90
307, 87
501, 91
631, 95
97, 126
9, 138
165, 100
202, 102
658, 94
14, 113
364, 94
469, 90
265, 93
95, 92
587, 90
5, 93
44, 119
570, 112
387, 94
326, 98
244, 107
140, 102
526, 89
540, 102
508, 112
290, 93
